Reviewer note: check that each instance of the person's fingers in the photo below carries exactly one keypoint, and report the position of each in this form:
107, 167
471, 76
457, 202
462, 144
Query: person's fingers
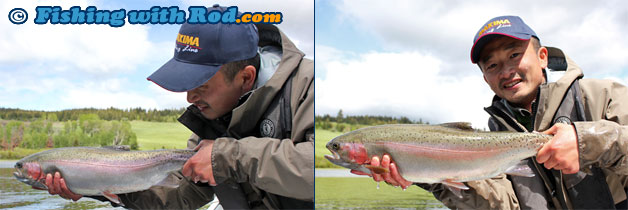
386, 176
551, 131
57, 185
570, 170
48, 182
375, 162
187, 169
544, 153
199, 145
65, 190
394, 173
551, 163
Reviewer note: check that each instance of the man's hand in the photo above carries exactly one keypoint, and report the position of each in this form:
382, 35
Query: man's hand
56, 185
392, 178
199, 166
561, 152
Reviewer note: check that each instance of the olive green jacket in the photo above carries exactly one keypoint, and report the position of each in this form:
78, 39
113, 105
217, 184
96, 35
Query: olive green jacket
602, 142
257, 168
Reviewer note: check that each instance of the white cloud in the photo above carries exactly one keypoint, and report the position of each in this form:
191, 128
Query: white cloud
111, 93
591, 32
90, 48
407, 83
326, 54
298, 17
52, 67
166, 99
424, 70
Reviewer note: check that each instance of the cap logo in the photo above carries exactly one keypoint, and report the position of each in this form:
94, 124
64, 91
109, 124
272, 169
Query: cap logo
496, 23
190, 43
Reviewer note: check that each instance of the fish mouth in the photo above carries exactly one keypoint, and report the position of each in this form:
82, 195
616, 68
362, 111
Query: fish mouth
22, 177
25, 178
335, 159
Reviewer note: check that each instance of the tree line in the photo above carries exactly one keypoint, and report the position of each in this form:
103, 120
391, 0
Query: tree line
167, 115
342, 123
86, 130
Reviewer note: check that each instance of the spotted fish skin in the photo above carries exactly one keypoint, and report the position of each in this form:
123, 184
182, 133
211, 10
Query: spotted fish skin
445, 153
101, 171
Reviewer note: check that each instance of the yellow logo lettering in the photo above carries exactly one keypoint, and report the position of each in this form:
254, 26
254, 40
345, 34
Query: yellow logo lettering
493, 24
189, 40
194, 41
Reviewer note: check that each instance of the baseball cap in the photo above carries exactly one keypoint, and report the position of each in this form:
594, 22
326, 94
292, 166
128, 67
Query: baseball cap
511, 26
201, 49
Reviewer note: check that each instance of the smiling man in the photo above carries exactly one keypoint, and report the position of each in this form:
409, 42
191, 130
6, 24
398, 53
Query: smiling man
585, 164
252, 116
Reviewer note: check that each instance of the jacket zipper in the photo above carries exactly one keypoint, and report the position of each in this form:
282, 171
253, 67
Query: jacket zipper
535, 106
540, 171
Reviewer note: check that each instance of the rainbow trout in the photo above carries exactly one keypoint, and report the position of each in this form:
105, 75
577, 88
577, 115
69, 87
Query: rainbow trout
102, 171
449, 153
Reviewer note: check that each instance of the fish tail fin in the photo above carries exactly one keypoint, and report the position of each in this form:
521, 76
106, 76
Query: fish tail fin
520, 169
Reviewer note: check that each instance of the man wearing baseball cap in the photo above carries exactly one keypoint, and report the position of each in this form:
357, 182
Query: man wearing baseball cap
252, 116
584, 165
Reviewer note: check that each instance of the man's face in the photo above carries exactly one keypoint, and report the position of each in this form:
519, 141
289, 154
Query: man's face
513, 69
216, 97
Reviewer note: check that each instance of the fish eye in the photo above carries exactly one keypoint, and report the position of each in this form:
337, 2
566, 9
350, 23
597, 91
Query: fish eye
18, 165
335, 146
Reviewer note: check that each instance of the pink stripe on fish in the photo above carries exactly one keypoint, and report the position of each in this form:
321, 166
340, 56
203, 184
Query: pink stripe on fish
444, 153
116, 165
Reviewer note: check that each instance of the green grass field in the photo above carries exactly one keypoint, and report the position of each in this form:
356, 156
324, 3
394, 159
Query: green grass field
352, 193
322, 137
158, 135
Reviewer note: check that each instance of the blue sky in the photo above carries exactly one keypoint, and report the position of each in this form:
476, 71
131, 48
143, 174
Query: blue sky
411, 58
56, 67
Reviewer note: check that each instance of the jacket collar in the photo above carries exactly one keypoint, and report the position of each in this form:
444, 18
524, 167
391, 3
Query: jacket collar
549, 103
546, 103
245, 117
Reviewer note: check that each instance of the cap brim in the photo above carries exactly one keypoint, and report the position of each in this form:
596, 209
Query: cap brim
179, 76
486, 38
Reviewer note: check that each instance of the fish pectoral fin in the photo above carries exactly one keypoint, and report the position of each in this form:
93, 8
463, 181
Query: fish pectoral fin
521, 169
112, 197
171, 181
39, 185
455, 187
455, 184
377, 169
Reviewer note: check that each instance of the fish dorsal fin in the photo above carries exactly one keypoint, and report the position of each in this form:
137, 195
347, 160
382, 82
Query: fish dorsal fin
459, 125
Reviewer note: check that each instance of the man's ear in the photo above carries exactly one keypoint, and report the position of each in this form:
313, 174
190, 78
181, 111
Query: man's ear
248, 77
485, 80
543, 57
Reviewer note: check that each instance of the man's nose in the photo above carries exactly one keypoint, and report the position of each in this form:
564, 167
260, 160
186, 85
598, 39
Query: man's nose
192, 96
507, 71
